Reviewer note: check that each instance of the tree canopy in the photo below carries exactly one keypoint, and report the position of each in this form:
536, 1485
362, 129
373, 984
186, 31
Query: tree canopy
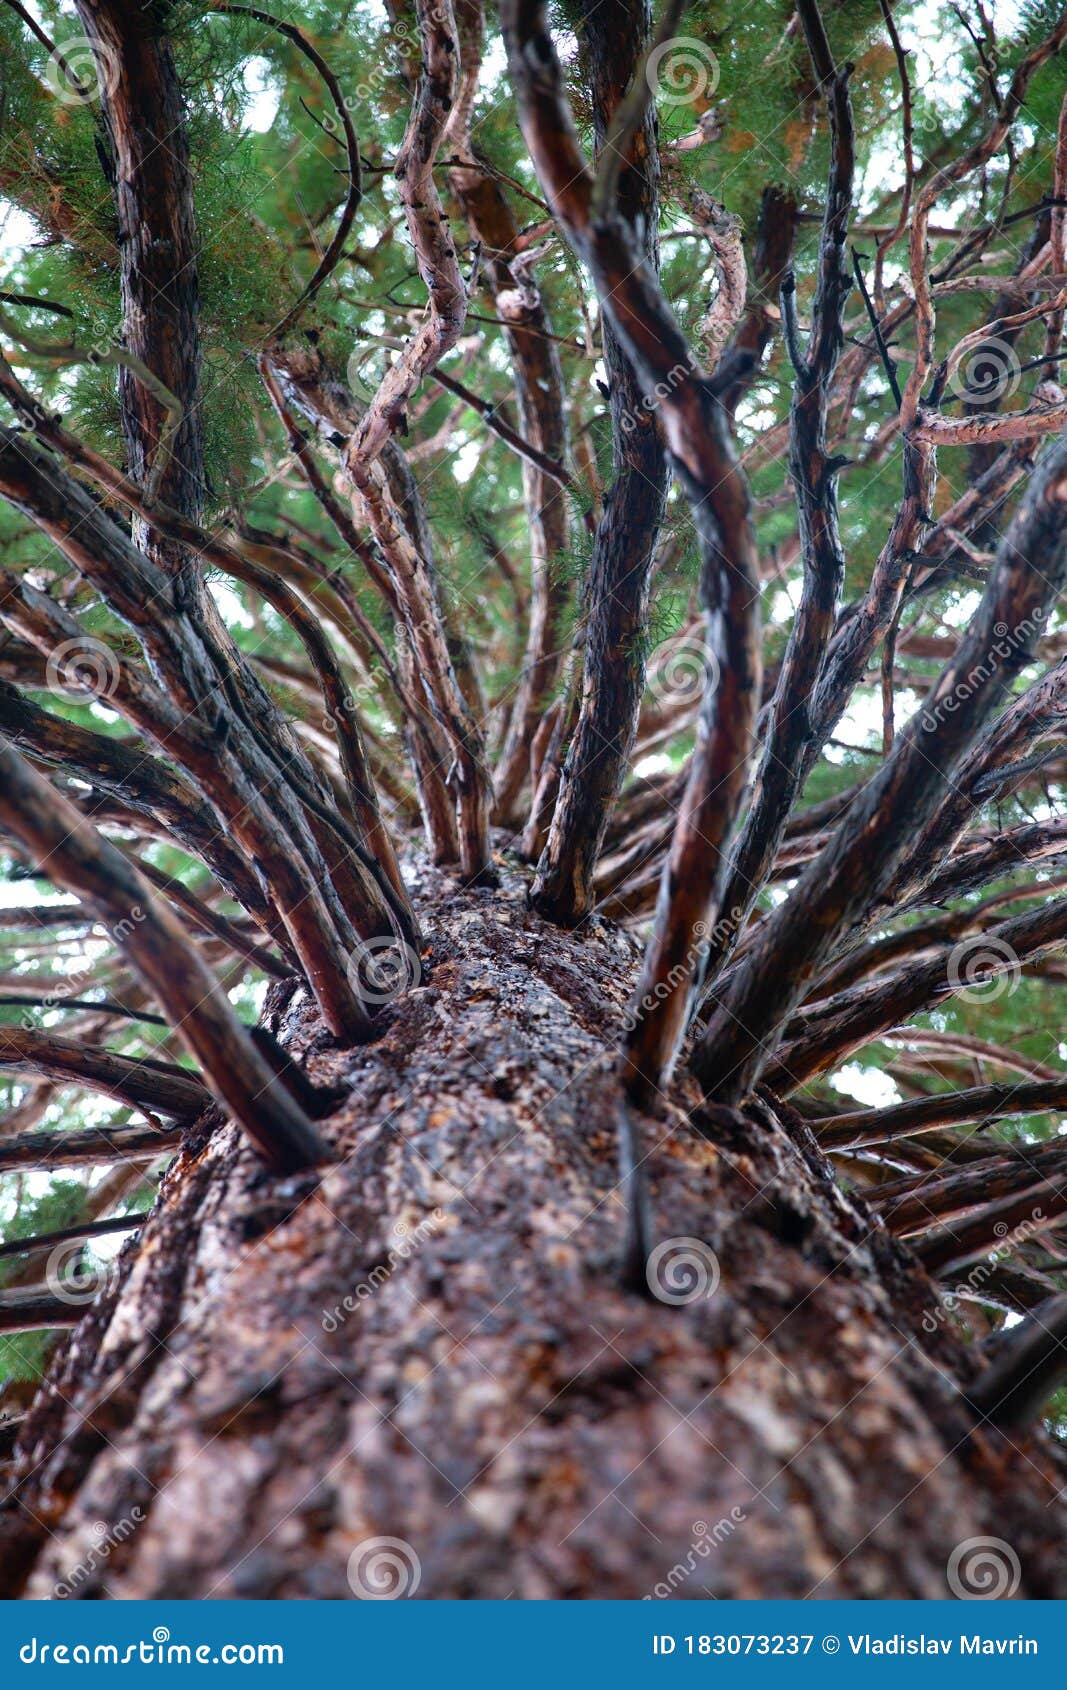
629, 447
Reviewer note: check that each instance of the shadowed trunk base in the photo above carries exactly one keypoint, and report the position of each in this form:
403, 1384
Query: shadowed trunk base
430, 1346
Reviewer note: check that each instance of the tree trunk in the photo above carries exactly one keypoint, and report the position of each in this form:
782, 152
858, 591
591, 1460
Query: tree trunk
429, 1343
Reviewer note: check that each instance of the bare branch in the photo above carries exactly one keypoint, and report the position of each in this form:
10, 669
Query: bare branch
945, 1109
68, 1234
158, 1088
783, 764
697, 437
1027, 1366
86, 1147
431, 238
35, 1310
78, 860
617, 589
862, 857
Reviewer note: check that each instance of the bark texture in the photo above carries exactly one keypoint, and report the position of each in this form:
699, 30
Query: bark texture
491, 1397
617, 592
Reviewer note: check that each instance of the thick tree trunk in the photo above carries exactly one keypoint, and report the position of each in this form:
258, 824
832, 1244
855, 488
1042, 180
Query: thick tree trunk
429, 1343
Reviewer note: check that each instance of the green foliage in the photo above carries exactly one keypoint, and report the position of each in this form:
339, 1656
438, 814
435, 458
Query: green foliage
269, 186
23, 1354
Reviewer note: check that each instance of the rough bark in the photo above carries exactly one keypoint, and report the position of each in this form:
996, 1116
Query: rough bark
757, 328
493, 1398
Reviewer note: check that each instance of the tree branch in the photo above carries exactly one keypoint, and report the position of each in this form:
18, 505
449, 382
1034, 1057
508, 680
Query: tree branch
78, 860
850, 873
863, 1127
86, 1147
783, 765
697, 436
157, 1088
617, 589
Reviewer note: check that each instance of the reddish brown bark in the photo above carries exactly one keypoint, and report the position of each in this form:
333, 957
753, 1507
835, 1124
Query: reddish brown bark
615, 608
492, 1398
